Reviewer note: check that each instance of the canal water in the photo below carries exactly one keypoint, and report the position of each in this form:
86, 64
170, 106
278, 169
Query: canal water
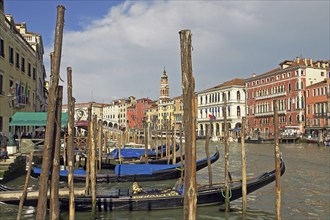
305, 186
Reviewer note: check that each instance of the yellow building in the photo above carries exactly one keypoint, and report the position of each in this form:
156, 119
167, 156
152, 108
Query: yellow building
20, 67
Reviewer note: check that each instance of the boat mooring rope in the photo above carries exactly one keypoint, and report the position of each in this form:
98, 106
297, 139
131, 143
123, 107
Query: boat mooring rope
230, 193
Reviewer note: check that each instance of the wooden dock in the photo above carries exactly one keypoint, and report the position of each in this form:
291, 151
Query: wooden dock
16, 195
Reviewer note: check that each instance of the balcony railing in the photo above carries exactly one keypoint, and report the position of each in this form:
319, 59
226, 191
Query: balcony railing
263, 114
320, 115
270, 96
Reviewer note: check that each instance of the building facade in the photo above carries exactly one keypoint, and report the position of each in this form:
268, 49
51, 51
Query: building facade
20, 66
211, 104
137, 114
287, 85
317, 108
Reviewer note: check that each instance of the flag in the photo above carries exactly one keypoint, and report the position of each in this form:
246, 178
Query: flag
212, 116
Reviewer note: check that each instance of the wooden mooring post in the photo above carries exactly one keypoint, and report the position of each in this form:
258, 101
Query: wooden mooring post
49, 136
189, 118
207, 151
244, 197
226, 140
92, 163
55, 177
70, 148
277, 161
26, 185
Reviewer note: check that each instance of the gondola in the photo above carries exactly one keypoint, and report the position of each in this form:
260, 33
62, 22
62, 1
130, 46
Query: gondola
155, 199
134, 172
111, 164
136, 153
171, 198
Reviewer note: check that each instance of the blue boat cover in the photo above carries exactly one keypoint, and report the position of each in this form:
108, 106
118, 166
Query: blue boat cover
135, 152
148, 169
77, 172
138, 169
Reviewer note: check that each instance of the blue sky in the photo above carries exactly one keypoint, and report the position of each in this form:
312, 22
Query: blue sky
119, 48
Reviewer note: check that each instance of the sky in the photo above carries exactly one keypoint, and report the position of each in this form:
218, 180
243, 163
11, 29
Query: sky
118, 49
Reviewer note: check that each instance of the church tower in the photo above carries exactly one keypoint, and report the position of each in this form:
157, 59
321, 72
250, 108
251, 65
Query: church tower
164, 88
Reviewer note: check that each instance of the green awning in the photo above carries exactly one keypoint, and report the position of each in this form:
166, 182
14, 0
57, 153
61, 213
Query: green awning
34, 119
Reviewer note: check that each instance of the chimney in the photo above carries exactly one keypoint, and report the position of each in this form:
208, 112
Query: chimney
2, 6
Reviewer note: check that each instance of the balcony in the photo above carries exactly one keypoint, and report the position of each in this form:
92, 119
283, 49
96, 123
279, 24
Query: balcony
271, 96
321, 115
265, 114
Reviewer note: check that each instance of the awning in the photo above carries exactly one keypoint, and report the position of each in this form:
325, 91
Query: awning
34, 119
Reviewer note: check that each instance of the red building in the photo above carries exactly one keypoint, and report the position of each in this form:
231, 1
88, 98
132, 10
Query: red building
317, 108
136, 114
286, 84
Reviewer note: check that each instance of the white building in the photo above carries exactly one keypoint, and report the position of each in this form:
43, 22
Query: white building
211, 103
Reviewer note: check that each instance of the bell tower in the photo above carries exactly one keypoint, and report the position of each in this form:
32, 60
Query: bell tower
164, 91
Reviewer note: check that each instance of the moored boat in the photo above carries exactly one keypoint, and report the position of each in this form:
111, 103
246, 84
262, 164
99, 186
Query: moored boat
134, 172
170, 198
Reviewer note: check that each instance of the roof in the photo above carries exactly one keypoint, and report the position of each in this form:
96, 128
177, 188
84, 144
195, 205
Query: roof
34, 119
233, 82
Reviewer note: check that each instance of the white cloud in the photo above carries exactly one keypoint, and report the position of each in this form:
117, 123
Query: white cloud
123, 53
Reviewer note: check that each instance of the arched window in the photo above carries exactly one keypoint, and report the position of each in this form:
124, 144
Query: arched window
301, 85
238, 111
238, 96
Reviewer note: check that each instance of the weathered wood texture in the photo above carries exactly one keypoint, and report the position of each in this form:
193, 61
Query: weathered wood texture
26, 185
70, 148
55, 177
189, 118
277, 162
54, 79
244, 192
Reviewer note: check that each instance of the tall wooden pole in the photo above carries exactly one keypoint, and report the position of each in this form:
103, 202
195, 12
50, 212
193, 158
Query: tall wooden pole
65, 143
277, 162
26, 185
181, 151
54, 192
145, 139
89, 137
189, 118
70, 148
207, 151
244, 197
99, 142
47, 153
92, 163
174, 144
227, 205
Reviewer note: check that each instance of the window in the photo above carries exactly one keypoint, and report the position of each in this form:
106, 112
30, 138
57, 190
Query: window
322, 73
2, 50
34, 73
29, 69
23, 65
11, 55
238, 96
17, 60
1, 84
238, 111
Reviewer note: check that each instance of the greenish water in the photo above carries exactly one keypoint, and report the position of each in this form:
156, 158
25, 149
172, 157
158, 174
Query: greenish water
305, 187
